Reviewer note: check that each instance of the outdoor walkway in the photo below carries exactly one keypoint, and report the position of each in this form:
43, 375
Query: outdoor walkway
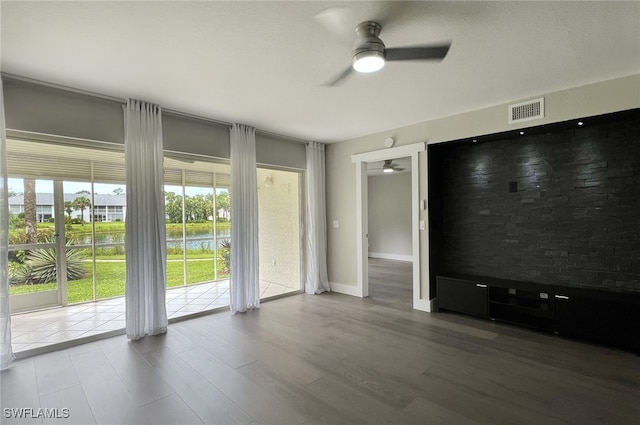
43, 328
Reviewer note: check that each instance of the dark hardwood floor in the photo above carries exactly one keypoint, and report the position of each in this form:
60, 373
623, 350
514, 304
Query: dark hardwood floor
333, 359
390, 283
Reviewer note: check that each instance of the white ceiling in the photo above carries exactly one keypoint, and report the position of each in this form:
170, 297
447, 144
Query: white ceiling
264, 63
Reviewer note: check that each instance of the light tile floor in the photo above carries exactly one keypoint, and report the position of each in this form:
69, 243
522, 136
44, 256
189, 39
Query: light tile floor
57, 325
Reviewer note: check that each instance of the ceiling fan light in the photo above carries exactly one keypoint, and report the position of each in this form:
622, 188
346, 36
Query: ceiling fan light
368, 61
387, 170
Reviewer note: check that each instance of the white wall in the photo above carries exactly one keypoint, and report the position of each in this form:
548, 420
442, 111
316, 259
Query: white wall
279, 227
589, 100
389, 198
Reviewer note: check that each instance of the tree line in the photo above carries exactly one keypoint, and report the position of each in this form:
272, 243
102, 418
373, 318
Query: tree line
197, 208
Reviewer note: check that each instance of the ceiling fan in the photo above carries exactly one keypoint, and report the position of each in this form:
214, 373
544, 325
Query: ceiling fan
389, 167
370, 54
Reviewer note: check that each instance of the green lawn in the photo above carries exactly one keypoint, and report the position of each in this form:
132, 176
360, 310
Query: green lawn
111, 269
110, 278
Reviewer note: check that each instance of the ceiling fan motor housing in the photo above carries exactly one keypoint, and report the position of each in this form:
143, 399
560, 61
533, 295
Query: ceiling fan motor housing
368, 43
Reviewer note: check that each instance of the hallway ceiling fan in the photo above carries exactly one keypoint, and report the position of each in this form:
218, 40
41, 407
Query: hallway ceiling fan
389, 167
370, 53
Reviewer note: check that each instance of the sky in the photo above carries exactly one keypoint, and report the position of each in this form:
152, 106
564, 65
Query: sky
46, 186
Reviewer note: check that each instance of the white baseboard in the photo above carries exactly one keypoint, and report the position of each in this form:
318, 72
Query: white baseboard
385, 256
424, 305
343, 288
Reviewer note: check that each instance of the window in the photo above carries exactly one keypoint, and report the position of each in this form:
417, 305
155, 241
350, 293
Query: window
197, 207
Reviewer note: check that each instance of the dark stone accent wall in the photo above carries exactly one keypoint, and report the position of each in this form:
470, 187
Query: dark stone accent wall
573, 219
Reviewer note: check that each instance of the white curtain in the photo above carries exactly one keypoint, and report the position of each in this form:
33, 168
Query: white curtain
245, 286
317, 280
5, 310
145, 241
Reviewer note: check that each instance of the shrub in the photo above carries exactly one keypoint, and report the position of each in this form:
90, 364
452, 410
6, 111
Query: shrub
174, 250
15, 222
19, 272
17, 256
19, 236
225, 254
44, 268
52, 220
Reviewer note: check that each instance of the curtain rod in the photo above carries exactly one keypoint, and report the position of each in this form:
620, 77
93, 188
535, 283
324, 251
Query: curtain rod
19, 78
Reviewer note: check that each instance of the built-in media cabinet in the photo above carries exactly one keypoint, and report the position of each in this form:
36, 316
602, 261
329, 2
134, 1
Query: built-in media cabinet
611, 318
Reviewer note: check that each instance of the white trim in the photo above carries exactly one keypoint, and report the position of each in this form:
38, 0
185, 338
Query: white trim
424, 301
385, 256
415, 225
362, 225
397, 152
343, 288
61, 258
423, 305
21, 303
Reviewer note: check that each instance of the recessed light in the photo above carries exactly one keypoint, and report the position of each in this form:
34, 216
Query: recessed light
521, 133
475, 140
580, 123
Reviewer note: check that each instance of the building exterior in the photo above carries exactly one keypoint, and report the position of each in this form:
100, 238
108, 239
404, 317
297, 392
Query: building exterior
105, 207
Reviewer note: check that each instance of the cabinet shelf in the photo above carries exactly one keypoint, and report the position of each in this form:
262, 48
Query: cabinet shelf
525, 307
521, 302
528, 309
524, 318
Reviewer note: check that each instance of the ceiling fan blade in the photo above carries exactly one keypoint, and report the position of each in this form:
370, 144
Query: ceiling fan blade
398, 169
431, 52
340, 78
337, 21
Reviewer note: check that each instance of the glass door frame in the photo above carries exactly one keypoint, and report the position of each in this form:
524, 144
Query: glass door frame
55, 297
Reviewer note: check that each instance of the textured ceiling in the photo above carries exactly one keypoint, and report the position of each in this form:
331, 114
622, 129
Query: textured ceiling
264, 63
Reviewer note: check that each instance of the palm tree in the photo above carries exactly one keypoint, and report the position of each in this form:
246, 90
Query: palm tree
81, 203
223, 205
30, 218
68, 208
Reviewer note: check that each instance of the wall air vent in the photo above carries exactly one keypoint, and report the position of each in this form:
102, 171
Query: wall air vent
526, 111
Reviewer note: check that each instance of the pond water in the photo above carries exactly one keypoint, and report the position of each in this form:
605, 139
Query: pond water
196, 239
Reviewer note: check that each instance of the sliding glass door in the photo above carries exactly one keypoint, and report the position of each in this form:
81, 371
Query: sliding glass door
67, 214
33, 244
197, 207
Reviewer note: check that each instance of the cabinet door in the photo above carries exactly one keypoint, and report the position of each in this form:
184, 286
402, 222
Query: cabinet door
463, 296
602, 321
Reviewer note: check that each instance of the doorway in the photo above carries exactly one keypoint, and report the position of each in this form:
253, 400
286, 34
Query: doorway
389, 255
362, 162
